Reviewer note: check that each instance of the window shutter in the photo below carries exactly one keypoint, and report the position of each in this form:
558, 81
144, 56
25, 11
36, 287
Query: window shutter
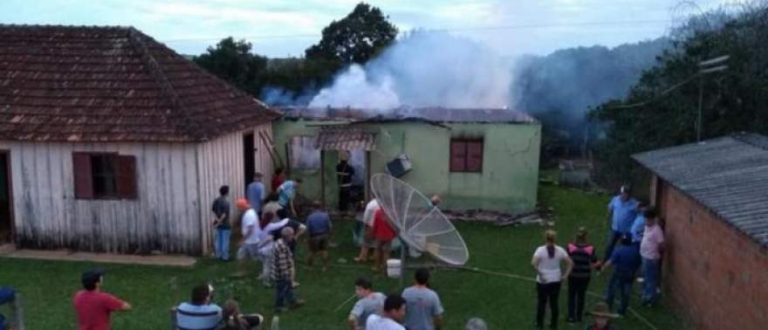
126, 177
81, 166
475, 156
458, 156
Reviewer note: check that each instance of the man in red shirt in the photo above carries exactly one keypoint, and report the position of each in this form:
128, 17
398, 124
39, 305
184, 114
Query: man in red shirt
383, 234
92, 306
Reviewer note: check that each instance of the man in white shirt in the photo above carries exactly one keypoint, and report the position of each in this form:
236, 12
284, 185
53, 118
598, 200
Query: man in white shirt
249, 245
394, 313
367, 242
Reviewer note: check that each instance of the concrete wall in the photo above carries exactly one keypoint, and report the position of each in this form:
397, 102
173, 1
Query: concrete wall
715, 275
508, 182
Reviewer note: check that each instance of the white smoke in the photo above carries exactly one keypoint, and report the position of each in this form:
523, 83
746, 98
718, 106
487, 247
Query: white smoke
423, 69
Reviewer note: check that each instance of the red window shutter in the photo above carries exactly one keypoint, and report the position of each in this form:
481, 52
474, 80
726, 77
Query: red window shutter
475, 156
126, 177
81, 166
458, 156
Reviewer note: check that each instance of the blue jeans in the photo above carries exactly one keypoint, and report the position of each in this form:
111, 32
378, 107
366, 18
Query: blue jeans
284, 293
222, 243
610, 243
623, 284
651, 282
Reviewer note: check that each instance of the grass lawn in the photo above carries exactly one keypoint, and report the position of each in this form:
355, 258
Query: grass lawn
504, 302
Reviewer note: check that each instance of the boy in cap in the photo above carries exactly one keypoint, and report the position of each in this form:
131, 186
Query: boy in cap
92, 306
602, 318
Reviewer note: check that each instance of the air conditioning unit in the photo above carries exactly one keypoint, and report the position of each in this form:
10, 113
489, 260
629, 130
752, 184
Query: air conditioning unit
399, 166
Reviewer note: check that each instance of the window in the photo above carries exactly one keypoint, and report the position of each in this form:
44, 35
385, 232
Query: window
304, 153
466, 155
104, 176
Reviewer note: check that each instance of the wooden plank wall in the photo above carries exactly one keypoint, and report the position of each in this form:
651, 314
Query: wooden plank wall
165, 217
221, 162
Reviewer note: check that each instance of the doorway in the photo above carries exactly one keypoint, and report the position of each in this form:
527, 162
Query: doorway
249, 149
6, 200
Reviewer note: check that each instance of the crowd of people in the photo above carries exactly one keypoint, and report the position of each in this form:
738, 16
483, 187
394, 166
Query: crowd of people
635, 242
270, 231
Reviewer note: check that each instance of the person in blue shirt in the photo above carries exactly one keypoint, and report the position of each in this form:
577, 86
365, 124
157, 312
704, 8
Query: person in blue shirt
638, 225
625, 260
287, 193
319, 228
255, 192
622, 211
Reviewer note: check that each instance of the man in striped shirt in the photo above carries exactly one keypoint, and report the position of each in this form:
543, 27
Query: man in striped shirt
200, 313
282, 271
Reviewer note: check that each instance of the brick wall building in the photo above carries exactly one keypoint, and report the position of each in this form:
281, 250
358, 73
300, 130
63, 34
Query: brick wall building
713, 197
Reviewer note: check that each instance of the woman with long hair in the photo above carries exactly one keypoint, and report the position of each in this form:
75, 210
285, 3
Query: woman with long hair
547, 261
233, 319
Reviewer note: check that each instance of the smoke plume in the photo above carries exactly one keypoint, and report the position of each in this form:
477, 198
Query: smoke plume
423, 69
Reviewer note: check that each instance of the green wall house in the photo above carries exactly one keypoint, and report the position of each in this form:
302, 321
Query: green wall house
473, 158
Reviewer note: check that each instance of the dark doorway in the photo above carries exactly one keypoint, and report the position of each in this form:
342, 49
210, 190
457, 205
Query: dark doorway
6, 211
248, 156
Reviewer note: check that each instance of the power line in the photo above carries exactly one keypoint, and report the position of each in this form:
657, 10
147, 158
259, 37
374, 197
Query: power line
458, 29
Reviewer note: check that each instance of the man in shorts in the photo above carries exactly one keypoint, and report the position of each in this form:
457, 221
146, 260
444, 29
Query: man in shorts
319, 228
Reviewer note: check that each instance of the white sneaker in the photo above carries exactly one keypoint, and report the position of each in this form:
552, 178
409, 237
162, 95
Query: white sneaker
640, 280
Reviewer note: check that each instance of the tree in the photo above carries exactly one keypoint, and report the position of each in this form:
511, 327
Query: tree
233, 61
661, 109
356, 38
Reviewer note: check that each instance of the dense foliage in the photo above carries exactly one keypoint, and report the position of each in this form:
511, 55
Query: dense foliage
661, 109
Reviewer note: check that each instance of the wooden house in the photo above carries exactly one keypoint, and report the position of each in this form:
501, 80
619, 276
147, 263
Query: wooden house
112, 142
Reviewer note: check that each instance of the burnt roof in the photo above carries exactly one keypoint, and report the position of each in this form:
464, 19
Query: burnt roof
430, 114
93, 84
728, 175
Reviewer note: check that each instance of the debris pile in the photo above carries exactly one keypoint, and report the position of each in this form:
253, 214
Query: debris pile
540, 216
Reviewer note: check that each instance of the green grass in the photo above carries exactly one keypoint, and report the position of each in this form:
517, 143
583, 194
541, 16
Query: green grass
504, 302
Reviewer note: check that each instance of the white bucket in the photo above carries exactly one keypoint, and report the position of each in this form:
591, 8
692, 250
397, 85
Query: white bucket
394, 269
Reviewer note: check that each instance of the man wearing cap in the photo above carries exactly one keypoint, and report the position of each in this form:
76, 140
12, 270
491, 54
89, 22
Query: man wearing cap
622, 211
94, 307
249, 246
601, 316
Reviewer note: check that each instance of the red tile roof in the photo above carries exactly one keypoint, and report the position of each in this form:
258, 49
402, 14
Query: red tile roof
96, 84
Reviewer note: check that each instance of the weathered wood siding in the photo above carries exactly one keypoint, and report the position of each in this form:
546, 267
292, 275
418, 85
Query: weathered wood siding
221, 162
165, 216
177, 184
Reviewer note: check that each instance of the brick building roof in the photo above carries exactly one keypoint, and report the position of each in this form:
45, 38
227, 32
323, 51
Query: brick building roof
100, 84
728, 175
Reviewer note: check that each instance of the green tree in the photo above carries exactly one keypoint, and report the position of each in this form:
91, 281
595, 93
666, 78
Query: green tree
234, 62
356, 38
661, 109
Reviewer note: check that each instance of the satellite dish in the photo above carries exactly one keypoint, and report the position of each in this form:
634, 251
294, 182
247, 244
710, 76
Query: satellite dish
420, 224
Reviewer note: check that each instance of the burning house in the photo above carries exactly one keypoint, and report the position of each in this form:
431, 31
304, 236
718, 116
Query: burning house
473, 158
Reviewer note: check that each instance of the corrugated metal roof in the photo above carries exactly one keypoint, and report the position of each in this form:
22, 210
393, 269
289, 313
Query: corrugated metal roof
728, 175
433, 114
345, 139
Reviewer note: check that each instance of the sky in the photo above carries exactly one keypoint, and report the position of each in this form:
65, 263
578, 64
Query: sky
280, 28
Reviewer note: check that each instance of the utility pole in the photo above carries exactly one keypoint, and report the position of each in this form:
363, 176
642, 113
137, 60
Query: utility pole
705, 67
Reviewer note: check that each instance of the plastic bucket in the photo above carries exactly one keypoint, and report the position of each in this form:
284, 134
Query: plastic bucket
394, 269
